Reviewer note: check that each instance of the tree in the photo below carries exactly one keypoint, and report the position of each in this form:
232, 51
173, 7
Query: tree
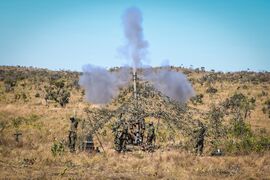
57, 92
10, 83
240, 105
215, 116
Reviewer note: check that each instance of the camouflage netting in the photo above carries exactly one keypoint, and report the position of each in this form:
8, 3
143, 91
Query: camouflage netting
150, 103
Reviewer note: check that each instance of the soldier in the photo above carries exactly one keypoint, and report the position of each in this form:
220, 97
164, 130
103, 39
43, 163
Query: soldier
82, 135
141, 129
124, 137
200, 133
120, 130
138, 127
72, 137
151, 134
118, 133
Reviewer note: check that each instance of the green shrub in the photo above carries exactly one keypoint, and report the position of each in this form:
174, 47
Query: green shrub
242, 140
16, 122
240, 104
9, 83
262, 143
216, 128
211, 90
37, 95
197, 99
57, 92
266, 107
30, 120
240, 128
248, 144
57, 148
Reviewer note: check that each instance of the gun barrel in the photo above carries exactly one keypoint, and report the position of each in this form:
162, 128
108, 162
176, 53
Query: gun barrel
135, 85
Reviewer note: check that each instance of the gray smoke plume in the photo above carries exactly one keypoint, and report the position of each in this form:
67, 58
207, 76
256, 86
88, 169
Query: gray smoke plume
101, 85
173, 84
136, 47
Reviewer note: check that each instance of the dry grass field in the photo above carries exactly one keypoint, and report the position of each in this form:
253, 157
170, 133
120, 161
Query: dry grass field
23, 109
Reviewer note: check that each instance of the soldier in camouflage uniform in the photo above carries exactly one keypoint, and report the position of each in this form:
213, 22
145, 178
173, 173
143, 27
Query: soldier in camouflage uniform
124, 137
120, 130
116, 132
72, 137
137, 127
141, 125
199, 136
151, 136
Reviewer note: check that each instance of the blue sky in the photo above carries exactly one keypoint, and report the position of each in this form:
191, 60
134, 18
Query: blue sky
227, 35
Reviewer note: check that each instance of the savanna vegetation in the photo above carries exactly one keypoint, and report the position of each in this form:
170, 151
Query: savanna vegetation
35, 106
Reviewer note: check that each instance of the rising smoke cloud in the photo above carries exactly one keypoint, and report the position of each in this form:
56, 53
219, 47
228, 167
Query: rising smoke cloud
101, 85
136, 47
173, 84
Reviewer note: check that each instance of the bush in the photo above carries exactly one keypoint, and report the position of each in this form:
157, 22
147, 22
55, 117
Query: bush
63, 97
216, 128
57, 148
37, 95
21, 96
197, 99
16, 122
10, 83
240, 104
266, 107
57, 92
211, 90
240, 129
243, 141
247, 145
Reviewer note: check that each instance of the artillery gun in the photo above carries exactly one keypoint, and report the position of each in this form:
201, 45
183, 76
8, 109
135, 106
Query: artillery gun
139, 101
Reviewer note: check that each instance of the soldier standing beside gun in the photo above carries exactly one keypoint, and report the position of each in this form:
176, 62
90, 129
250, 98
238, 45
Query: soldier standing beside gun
117, 132
138, 126
200, 133
72, 137
151, 136
120, 130
124, 137
141, 129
